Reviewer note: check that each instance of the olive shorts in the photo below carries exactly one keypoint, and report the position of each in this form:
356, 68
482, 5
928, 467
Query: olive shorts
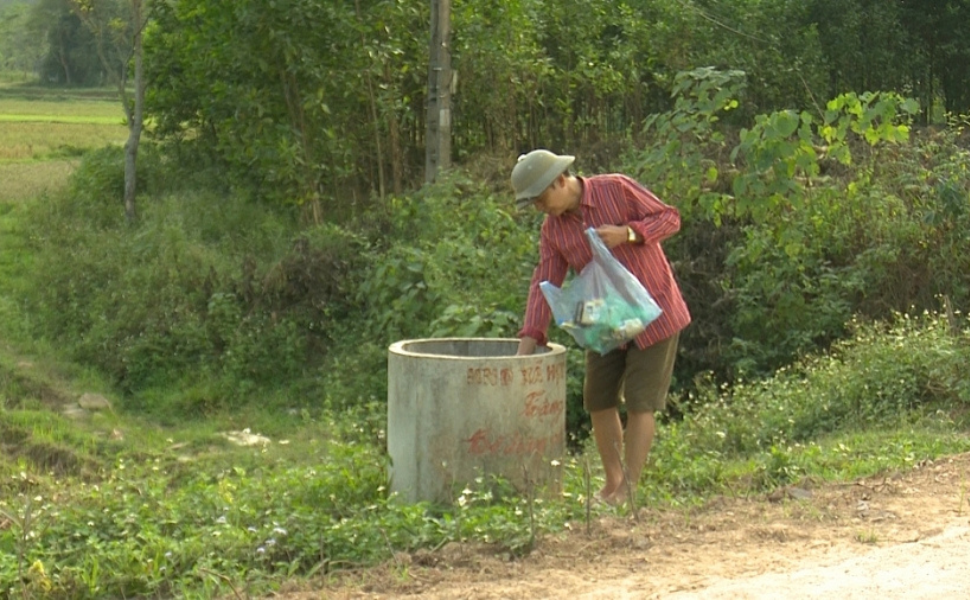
642, 377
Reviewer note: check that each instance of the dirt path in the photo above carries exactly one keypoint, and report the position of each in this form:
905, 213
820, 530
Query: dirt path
898, 536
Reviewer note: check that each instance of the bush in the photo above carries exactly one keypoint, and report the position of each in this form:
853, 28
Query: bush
875, 378
203, 286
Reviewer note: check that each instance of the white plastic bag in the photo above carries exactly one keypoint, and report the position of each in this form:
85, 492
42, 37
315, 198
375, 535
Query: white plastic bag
604, 306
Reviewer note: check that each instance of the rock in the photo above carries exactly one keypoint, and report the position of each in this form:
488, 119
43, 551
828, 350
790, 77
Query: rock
789, 493
94, 402
73, 411
246, 438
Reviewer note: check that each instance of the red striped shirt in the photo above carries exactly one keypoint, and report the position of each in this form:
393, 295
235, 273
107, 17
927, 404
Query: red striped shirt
611, 200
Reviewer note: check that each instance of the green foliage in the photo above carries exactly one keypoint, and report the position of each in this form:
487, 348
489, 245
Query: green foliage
874, 379
100, 182
71, 58
789, 229
153, 526
218, 293
898, 379
456, 263
18, 52
780, 152
207, 287
333, 108
287, 122
680, 160
794, 223
807, 257
450, 261
815, 226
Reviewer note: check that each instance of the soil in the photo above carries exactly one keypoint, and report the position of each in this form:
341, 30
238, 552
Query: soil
899, 535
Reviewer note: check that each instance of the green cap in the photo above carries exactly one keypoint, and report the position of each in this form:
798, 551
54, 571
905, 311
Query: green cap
534, 172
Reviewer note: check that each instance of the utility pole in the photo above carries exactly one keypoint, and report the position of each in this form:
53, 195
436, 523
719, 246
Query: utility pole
438, 136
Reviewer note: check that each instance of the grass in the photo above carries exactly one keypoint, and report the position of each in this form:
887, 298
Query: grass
43, 134
116, 504
120, 506
25, 180
35, 128
69, 109
37, 140
16, 87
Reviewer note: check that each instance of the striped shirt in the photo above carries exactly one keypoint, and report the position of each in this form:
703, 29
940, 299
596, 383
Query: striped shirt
610, 200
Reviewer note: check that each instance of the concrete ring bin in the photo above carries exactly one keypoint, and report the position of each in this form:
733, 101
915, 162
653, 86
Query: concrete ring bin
461, 408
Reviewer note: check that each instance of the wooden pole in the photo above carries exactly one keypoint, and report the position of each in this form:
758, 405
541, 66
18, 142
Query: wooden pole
438, 137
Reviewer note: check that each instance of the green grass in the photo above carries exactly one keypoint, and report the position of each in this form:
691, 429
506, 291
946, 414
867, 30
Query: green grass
42, 128
120, 506
16, 87
43, 132
77, 111
36, 140
45, 118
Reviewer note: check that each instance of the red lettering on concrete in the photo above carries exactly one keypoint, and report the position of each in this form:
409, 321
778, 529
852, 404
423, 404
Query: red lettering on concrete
483, 442
555, 372
482, 376
536, 405
532, 375
479, 443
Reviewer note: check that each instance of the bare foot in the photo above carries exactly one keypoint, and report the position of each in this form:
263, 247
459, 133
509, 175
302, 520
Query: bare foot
617, 498
613, 495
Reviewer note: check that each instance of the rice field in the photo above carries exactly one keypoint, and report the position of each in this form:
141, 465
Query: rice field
69, 109
43, 132
35, 140
24, 180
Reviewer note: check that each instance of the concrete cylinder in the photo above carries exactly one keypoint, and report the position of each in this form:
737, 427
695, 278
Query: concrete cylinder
461, 408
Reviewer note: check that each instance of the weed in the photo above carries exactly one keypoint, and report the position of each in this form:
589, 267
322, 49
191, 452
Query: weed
22, 527
866, 537
963, 494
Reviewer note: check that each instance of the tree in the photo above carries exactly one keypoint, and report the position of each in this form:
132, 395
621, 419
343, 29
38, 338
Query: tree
937, 29
71, 57
19, 50
302, 102
117, 30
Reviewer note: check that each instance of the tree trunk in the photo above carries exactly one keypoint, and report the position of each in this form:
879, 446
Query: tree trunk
136, 116
375, 120
65, 65
133, 111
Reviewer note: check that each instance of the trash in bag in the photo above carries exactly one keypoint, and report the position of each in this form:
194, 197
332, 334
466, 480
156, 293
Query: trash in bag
604, 306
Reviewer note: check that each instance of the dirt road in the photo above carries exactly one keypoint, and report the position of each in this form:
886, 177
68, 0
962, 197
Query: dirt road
895, 536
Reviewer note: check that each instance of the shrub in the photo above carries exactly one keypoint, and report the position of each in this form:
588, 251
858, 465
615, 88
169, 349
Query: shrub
204, 286
876, 377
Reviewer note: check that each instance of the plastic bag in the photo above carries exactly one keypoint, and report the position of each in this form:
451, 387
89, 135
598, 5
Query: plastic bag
604, 306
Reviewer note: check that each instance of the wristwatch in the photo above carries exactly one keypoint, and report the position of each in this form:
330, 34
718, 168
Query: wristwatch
631, 236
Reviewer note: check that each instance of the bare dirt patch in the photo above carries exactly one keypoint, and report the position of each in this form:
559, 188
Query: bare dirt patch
892, 536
